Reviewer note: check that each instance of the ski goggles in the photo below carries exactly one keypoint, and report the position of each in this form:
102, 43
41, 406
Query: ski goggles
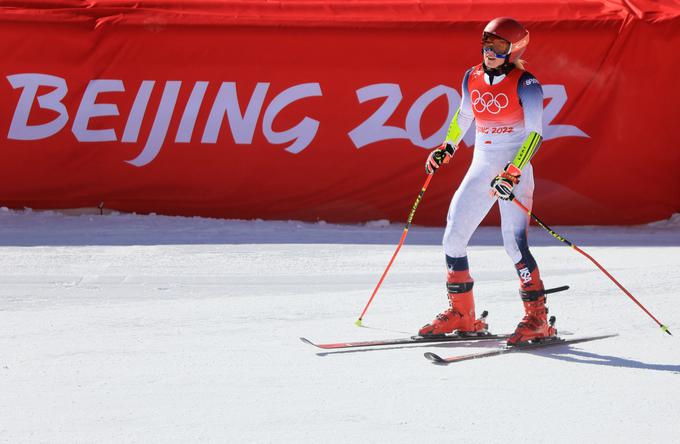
498, 46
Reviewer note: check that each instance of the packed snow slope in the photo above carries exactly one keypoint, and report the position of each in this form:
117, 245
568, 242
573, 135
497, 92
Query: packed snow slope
129, 328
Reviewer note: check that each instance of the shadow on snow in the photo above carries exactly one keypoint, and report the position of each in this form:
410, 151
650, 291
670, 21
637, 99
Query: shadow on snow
584, 357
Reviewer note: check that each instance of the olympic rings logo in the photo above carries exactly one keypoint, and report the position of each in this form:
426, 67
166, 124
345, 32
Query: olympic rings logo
488, 102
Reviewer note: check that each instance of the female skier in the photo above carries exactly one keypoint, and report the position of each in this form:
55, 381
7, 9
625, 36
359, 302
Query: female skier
506, 103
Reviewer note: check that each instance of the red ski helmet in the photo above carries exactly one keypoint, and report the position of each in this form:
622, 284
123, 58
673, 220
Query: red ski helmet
511, 30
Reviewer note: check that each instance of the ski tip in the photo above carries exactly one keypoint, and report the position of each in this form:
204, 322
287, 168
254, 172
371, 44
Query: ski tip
665, 328
358, 323
435, 358
307, 341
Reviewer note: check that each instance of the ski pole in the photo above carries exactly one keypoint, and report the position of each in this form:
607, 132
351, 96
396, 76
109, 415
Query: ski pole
401, 242
562, 239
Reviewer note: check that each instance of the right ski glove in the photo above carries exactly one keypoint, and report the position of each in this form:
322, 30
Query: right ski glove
502, 185
438, 156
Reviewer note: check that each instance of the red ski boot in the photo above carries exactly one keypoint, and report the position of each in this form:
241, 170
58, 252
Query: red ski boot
461, 313
534, 326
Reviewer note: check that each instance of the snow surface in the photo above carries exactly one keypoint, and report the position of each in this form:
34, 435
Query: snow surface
130, 328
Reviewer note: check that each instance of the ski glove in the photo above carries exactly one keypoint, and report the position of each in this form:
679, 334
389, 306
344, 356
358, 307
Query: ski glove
438, 156
502, 185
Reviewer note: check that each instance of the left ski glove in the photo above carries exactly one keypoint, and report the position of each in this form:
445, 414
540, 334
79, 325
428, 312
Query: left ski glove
438, 156
502, 185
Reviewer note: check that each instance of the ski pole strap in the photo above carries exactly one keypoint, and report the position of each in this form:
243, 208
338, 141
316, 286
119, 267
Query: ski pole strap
459, 287
532, 295
556, 289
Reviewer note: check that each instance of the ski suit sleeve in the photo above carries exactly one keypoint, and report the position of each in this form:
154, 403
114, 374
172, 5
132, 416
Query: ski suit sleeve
463, 117
531, 97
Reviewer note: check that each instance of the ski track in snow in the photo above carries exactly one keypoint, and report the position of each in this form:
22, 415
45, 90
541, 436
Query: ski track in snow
130, 328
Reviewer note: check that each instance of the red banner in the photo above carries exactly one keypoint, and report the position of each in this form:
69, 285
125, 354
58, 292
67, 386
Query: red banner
325, 110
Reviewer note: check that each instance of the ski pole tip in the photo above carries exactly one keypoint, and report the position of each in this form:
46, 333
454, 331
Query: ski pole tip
665, 328
358, 323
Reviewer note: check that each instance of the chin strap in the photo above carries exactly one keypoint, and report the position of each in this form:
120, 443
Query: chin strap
502, 70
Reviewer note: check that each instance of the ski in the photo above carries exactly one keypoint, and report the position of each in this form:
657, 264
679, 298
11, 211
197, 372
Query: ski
552, 342
410, 340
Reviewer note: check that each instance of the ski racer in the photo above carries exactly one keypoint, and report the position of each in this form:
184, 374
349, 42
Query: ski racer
506, 104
